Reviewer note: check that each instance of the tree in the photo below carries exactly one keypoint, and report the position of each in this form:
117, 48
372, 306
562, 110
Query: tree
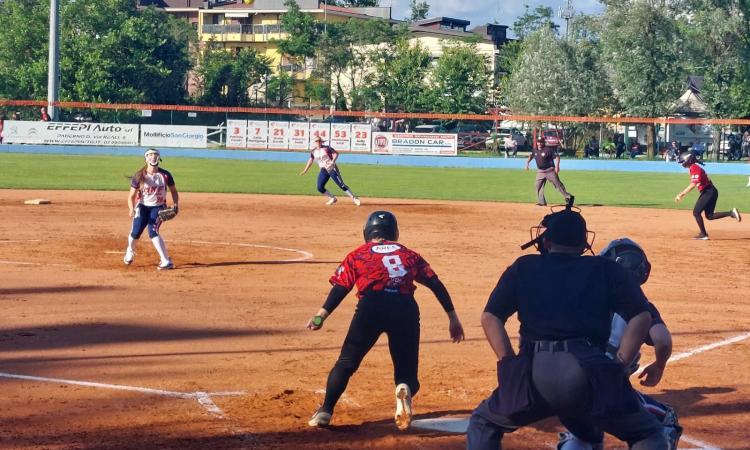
460, 80
280, 89
302, 32
643, 53
419, 10
531, 21
227, 77
110, 52
396, 80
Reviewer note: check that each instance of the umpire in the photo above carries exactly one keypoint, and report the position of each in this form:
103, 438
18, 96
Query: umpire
561, 368
547, 159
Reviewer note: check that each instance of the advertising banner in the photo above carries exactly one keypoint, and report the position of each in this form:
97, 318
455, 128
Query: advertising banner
341, 136
257, 134
278, 135
361, 137
433, 144
299, 136
323, 130
186, 136
236, 133
70, 133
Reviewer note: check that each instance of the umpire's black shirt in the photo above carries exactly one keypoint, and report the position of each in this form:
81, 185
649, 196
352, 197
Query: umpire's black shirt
561, 296
545, 157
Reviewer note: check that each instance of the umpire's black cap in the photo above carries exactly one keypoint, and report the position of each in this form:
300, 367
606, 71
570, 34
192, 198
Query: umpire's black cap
566, 228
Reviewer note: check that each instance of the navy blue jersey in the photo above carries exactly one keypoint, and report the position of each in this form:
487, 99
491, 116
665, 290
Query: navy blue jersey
560, 296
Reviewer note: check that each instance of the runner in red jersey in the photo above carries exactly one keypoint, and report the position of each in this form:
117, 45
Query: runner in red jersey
709, 195
384, 272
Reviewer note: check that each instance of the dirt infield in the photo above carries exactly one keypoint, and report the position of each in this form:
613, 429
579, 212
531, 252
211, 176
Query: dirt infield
214, 354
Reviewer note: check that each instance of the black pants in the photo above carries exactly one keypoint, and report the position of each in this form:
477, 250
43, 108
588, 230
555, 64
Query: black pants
706, 203
579, 384
395, 315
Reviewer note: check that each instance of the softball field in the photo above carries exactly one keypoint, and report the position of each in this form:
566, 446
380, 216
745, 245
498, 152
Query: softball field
215, 354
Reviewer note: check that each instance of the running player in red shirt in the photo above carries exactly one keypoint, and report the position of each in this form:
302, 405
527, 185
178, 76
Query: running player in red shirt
384, 272
709, 195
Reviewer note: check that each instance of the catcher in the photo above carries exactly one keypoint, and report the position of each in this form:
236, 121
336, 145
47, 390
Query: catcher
631, 256
147, 206
326, 158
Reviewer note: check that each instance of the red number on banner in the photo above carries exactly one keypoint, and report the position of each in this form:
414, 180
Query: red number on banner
257, 131
278, 132
299, 133
360, 134
340, 134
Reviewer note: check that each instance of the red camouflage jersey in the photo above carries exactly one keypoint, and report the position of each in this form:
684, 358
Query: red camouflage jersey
386, 266
698, 176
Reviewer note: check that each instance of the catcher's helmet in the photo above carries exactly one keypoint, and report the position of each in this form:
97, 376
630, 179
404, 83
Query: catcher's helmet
381, 224
687, 159
566, 227
630, 255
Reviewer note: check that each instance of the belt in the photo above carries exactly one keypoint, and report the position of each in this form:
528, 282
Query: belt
559, 346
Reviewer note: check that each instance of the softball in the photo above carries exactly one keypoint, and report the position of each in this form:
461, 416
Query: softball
317, 321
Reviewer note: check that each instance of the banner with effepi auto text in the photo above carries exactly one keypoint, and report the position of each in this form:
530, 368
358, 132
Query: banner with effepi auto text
70, 133
434, 144
185, 136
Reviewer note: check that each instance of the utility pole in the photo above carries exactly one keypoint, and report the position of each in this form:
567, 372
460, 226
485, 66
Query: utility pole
53, 66
567, 13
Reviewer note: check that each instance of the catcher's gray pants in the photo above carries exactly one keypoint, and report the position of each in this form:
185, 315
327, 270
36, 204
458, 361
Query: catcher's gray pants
541, 179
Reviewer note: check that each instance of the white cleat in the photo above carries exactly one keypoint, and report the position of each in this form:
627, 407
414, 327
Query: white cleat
165, 265
129, 256
331, 201
356, 201
736, 215
403, 406
320, 419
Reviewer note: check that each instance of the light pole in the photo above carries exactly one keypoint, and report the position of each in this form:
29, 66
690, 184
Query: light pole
53, 64
325, 16
567, 13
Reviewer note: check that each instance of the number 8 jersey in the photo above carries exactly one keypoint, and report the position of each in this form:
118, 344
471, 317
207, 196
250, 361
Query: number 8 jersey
382, 267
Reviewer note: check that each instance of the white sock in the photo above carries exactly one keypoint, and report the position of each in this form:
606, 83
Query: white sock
131, 243
349, 193
161, 248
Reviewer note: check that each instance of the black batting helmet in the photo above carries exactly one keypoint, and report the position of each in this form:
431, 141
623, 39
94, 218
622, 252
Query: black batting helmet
687, 159
381, 224
630, 255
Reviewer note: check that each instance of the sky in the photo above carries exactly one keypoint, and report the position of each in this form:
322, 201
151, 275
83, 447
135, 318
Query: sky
480, 12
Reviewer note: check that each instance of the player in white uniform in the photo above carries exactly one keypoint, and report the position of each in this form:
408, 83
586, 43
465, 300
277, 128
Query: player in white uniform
148, 195
326, 158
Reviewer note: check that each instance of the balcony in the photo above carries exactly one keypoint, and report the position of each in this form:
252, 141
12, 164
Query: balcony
241, 33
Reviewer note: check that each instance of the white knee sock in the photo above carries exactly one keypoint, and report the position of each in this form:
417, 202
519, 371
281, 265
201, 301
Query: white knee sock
161, 248
131, 243
349, 193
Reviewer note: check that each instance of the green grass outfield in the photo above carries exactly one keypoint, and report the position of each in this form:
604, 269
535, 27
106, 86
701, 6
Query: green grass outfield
657, 190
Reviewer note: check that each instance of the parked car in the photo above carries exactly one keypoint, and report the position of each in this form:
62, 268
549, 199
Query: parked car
553, 137
429, 129
470, 135
498, 138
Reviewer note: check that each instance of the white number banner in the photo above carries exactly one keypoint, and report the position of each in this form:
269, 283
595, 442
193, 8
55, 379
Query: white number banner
236, 133
70, 133
341, 134
323, 130
186, 136
299, 136
361, 137
435, 144
278, 135
257, 134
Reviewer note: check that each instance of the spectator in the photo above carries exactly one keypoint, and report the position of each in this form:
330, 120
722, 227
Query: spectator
591, 149
3, 118
635, 149
16, 115
620, 147
746, 143
673, 151
45, 116
511, 146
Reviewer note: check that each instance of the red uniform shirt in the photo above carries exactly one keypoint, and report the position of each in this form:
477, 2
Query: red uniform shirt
699, 177
386, 266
